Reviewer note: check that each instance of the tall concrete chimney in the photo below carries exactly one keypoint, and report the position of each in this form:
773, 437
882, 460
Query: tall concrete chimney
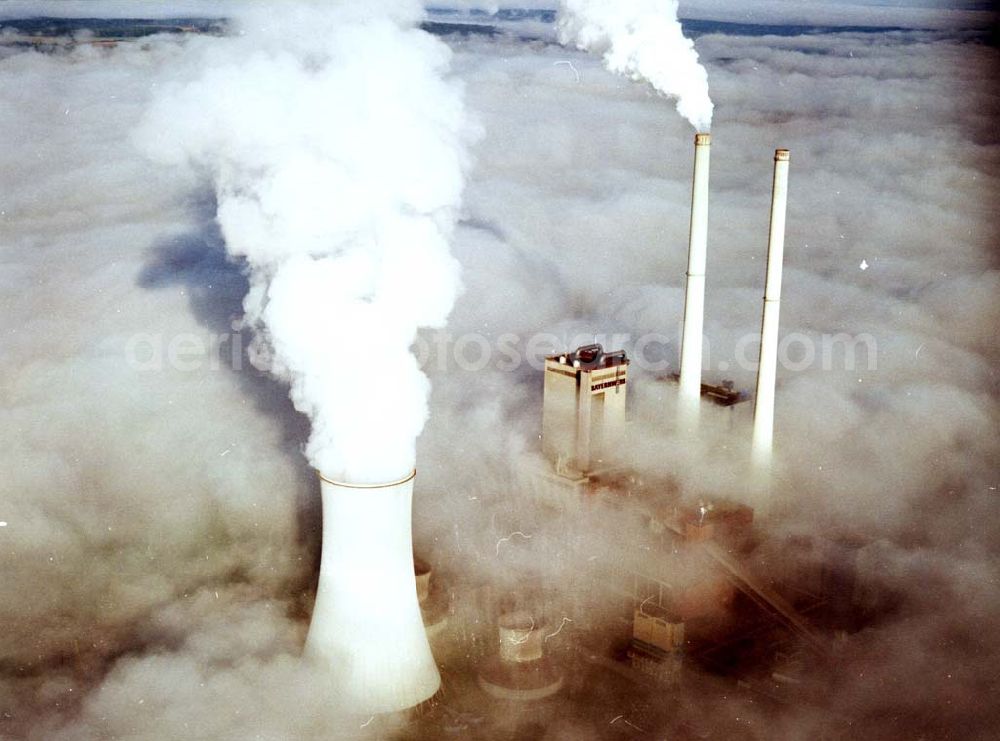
366, 624
763, 410
689, 401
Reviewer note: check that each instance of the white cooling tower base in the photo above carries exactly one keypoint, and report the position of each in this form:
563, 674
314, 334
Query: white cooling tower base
367, 629
520, 682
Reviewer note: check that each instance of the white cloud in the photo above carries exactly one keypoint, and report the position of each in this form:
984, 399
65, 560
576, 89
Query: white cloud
132, 498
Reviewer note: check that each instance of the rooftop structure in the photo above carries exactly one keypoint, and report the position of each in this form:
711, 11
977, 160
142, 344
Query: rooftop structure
723, 394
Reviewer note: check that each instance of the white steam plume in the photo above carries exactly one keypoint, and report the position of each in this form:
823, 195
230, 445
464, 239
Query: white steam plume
643, 40
337, 150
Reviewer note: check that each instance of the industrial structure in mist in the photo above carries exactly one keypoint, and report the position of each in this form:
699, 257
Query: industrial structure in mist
583, 426
688, 597
584, 409
379, 618
367, 624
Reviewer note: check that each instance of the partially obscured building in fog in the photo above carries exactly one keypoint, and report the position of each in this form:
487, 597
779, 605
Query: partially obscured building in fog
584, 408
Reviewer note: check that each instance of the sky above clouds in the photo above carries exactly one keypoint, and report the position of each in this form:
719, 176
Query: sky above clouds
161, 520
906, 13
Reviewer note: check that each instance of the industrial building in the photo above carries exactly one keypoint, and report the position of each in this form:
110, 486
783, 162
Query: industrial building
584, 408
666, 610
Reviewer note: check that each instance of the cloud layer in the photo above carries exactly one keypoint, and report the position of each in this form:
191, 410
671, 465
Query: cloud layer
159, 529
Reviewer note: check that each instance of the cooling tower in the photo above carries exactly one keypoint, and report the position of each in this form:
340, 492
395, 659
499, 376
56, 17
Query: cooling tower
520, 638
520, 671
694, 295
366, 624
763, 410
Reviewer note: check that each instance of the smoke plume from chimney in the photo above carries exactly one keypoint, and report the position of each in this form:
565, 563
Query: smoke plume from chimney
643, 40
337, 151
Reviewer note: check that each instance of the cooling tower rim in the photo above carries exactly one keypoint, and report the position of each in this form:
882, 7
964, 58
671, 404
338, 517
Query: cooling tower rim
518, 620
388, 485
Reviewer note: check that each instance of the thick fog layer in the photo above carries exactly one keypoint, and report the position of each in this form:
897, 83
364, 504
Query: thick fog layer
158, 545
